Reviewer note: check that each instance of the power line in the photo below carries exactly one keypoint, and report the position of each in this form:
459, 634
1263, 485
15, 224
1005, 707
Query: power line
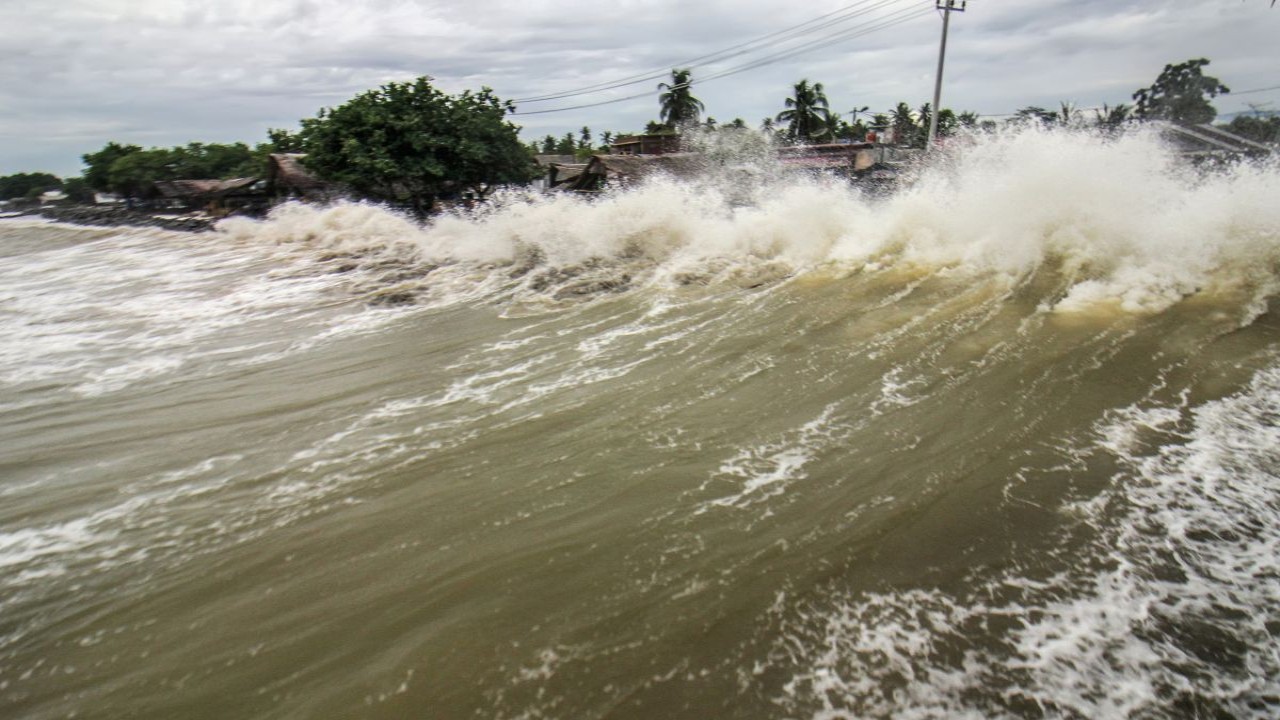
882, 24
842, 36
775, 38
1257, 90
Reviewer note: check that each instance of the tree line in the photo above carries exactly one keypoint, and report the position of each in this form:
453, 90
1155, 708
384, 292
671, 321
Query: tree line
1180, 94
410, 143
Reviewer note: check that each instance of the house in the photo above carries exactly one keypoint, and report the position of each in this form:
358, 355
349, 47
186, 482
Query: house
1206, 142
645, 145
557, 170
843, 158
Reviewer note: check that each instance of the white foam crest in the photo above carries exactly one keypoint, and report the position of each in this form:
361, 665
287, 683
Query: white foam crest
1127, 224
1173, 604
129, 306
24, 545
348, 227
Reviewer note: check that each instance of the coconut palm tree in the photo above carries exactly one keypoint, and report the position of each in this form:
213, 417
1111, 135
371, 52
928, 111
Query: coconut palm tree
807, 112
904, 124
678, 105
833, 126
1109, 119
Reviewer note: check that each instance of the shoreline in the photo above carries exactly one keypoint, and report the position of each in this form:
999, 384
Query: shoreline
116, 216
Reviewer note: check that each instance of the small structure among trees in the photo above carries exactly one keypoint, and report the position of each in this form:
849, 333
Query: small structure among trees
289, 179
217, 197
647, 144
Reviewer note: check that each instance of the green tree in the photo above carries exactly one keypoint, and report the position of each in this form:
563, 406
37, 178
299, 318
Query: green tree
1257, 129
77, 190
584, 138
567, 145
677, 104
948, 122
1180, 94
1034, 114
22, 185
549, 145
98, 165
1110, 118
903, 122
409, 142
807, 112
924, 116
133, 175
833, 126
284, 141
198, 161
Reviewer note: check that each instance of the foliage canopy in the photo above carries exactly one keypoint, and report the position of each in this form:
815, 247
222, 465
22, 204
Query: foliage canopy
807, 112
1179, 95
410, 142
677, 104
23, 185
131, 171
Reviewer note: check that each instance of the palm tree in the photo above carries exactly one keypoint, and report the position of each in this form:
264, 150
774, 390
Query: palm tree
678, 105
1111, 118
1034, 113
904, 123
834, 128
807, 112
1068, 114
925, 117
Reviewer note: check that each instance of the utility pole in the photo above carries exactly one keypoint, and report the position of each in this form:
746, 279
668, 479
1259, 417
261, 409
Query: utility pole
947, 7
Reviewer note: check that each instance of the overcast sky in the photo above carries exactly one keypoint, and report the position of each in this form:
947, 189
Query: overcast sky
77, 73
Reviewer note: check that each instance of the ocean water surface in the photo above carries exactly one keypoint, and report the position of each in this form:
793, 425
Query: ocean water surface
1005, 444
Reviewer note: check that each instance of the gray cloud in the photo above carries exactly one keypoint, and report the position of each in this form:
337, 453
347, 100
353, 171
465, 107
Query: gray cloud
78, 73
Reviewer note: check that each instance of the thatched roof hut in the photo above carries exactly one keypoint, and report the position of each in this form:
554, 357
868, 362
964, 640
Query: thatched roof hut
215, 196
203, 190
558, 174
629, 168
287, 177
549, 160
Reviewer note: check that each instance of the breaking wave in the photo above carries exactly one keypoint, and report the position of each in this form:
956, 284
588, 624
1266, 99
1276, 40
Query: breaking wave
1119, 223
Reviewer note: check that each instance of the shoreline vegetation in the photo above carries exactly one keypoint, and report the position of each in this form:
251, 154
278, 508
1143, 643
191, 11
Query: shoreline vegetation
416, 149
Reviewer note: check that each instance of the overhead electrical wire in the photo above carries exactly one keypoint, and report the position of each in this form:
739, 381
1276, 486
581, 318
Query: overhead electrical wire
846, 13
905, 15
1256, 90
897, 17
